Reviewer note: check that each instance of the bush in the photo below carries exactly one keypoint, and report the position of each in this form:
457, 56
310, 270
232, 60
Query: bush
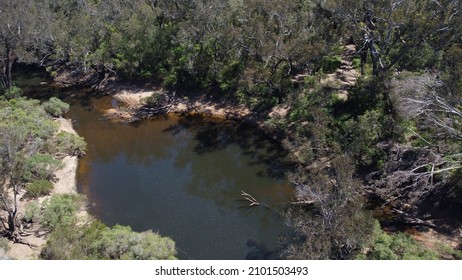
32, 212
98, 241
363, 134
40, 166
55, 107
396, 246
13, 92
60, 210
39, 188
330, 63
68, 143
448, 252
155, 100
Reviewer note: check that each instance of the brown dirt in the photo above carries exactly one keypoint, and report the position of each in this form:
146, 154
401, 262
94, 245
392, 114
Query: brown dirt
132, 99
345, 77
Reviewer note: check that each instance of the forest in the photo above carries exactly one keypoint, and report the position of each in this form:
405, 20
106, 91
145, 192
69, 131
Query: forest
365, 96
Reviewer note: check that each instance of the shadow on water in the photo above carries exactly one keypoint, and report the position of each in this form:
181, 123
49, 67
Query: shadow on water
212, 135
258, 251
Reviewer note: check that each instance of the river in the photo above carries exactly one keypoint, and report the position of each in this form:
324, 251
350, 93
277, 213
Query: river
181, 176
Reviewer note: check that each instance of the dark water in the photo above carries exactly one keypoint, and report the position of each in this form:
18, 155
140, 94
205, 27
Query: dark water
183, 177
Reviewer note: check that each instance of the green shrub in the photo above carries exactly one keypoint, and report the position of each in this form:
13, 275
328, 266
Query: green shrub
155, 99
331, 63
26, 119
55, 107
363, 134
60, 210
68, 143
99, 242
32, 212
39, 188
448, 252
40, 166
13, 93
356, 63
396, 246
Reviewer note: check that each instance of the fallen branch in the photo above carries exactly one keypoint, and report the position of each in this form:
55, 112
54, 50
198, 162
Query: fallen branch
408, 219
302, 202
253, 202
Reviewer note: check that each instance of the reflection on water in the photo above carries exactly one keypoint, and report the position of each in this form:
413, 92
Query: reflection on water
182, 177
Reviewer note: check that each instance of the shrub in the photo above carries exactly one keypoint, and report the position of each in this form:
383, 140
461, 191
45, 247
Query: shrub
39, 188
40, 166
396, 246
98, 241
68, 143
32, 212
155, 99
331, 63
13, 93
55, 107
364, 133
448, 252
60, 210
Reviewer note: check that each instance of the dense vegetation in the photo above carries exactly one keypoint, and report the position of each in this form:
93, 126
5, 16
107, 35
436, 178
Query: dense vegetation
395, 136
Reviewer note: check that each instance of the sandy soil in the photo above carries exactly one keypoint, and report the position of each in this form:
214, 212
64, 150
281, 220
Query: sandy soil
132, 99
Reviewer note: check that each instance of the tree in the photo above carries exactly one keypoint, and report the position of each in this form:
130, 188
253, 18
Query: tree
417, 170
427, 100
332, 222
24, 34
389, 30
24, 128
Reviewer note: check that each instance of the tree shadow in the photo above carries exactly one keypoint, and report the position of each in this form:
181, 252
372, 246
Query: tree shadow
216, 134
258, 251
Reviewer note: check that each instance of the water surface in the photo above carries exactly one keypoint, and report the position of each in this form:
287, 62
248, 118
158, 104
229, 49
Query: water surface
183, 177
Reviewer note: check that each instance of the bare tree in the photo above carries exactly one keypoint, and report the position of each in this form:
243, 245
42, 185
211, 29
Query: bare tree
426, 99
334, 224
412, 174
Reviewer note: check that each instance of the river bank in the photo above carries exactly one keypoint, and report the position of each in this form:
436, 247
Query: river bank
64, 183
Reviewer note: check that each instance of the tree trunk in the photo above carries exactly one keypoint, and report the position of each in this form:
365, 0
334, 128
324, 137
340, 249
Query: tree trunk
6, 78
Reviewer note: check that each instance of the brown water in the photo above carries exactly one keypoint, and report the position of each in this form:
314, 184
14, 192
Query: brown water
183, 177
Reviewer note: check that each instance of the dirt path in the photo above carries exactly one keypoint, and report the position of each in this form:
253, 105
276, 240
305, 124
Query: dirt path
344, 78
